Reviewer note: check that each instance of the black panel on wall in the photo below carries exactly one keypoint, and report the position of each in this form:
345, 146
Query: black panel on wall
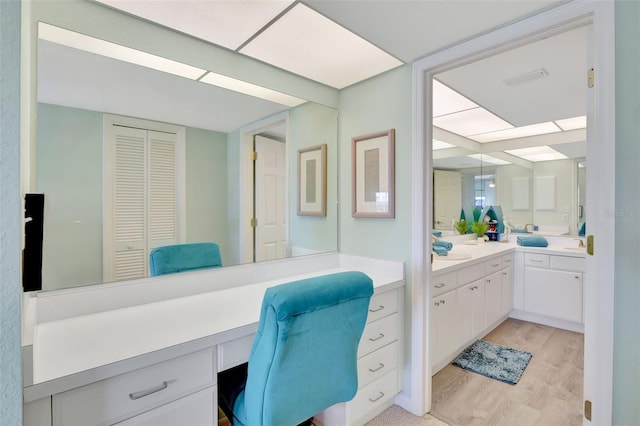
32, 255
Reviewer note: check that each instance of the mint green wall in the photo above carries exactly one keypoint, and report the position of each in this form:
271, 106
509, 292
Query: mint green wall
380, 103
69, 171
70, 177
206, 181
10, 214
626, 349
234, 192
312, 124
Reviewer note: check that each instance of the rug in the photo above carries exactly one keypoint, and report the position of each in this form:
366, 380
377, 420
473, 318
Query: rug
494, 361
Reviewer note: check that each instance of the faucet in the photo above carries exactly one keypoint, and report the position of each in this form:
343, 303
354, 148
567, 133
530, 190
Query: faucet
529, 227
580, 242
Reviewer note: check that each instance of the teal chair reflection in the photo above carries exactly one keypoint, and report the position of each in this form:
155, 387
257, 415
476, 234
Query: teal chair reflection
184, 257
304, 355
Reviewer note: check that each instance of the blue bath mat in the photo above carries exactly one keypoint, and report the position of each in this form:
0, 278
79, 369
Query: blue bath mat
494, 361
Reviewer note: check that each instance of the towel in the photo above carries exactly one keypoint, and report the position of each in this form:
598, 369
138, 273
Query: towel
441, 251
437, 234
519, 231
533, 241
444, 244
583, 229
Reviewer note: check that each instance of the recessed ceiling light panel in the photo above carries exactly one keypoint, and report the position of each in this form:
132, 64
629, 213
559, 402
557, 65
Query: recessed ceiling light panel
441, 145
489, 159
251, 89
537, 154
306, 43
471, 122
517, 132
573, 123
447, 100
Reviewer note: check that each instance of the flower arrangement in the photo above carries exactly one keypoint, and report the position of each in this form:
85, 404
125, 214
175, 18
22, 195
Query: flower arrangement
479, 228
462, 226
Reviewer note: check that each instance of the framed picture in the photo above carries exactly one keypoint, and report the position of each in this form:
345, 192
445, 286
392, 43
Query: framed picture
373, 179
312, 181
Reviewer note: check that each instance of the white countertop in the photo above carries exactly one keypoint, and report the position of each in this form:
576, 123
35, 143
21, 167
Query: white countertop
480, 252
86, 343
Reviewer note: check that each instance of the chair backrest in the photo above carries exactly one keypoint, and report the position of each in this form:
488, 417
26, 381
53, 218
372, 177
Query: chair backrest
304, 356
184, 257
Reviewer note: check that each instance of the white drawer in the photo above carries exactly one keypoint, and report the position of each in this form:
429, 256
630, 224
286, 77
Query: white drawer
567, 263
128, 394
443, 283
470, 273
493, 265
383, 304
507, 260
372, 397
536, 260
377, 364
234, 352
378, 334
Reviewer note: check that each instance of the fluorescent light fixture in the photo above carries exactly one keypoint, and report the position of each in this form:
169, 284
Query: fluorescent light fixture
116, 51
526, 77
226, 23
537, 153
251, 89
307, 43
517, 132
471, 122
488, 159
441, 145
447, 101
573, 123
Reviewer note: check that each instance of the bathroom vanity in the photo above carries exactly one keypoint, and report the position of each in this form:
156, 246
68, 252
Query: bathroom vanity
472, 296
148, 352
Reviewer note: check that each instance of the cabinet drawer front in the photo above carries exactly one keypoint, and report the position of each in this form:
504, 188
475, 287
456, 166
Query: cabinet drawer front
382, 304
372, 396
234, 352
378, 334
134, 392
567, 263
493, 265
470, 273
443, 283
536, 260
507, 260
377, 364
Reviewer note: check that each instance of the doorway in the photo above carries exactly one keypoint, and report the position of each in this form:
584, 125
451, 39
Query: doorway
600, 115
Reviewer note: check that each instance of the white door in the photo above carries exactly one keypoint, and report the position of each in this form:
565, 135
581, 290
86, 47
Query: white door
447, 201
270, 233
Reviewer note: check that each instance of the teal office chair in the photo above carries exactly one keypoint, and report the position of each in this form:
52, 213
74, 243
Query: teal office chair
184, 257
304, 356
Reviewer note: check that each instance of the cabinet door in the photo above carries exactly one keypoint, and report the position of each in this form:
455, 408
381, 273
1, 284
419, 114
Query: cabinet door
464, 309
478, 309
557, 294
444, 326
493, 297
506, 280
198, 409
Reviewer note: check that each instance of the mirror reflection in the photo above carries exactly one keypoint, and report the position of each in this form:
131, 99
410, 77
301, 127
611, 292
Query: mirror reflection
130, 158
510, 131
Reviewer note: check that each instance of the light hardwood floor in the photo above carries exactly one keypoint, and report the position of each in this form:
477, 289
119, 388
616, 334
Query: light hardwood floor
549, 392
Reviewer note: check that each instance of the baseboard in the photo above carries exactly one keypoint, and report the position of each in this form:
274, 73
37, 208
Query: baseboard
550, 321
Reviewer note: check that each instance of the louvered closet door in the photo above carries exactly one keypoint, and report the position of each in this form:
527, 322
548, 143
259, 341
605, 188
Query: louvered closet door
129, 204
144, 207
162, 189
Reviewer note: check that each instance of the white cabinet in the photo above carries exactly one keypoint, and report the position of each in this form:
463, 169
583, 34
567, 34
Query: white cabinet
127, 395
553, 288
556, 294
479, 296
198, 409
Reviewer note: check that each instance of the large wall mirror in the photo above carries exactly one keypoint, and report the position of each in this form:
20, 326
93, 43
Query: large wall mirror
82, 94
510, 130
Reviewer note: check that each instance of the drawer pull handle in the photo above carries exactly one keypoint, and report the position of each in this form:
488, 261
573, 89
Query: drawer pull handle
379, 308
507, 261
536, 260
440, 285
142, 394
380, 367
378, 398
442, 301
380, 336
495, 265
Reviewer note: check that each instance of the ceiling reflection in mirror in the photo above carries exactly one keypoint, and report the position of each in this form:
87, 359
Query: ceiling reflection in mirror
508, 125
79, 92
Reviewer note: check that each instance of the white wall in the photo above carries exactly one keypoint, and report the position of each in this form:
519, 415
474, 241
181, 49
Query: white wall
565, 196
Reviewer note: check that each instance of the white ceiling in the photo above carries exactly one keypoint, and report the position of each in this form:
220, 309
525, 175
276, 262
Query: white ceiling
405, 30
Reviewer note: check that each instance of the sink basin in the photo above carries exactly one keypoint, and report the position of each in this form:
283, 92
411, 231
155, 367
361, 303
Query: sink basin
452, 256
574, 248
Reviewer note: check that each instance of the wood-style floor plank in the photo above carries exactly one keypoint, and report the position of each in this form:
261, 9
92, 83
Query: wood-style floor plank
549, 392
